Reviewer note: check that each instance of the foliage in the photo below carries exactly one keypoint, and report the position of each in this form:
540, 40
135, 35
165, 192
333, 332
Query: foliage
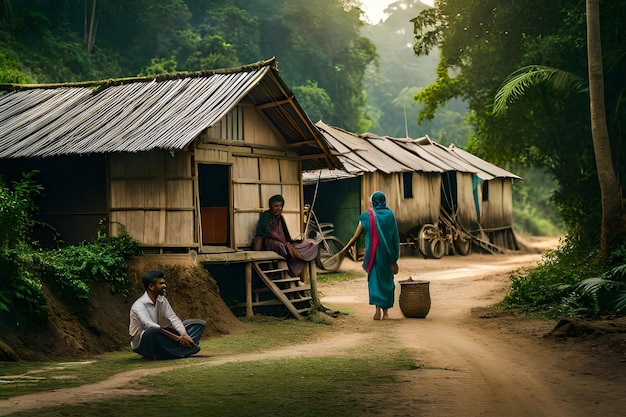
10, 72
69, 270
312, 41
482, 43
72, 269
315, 100
20, 289
517, 84
17, 209
607, 293
552, 288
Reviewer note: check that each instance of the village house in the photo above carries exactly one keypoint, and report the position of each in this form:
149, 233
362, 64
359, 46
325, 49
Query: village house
184, 163
443, 197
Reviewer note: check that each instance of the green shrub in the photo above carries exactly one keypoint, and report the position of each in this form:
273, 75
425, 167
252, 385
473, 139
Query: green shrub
69, 270
72, 269
20, 288
552, 287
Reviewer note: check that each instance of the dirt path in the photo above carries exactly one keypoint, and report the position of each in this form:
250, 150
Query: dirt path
472, 366
477, 367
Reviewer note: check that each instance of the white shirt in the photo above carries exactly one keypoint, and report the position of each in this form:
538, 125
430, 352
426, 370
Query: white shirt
145, 314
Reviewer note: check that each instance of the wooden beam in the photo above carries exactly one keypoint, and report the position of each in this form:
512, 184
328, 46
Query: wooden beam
303, 143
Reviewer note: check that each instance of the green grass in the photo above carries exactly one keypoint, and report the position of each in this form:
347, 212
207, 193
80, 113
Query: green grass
204, 385
259, 333
332, 386
339, 276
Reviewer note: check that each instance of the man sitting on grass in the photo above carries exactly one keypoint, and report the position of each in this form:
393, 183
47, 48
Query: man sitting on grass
156, 331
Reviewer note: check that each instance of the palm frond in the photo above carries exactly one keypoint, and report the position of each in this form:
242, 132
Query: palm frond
518, 83
593, 285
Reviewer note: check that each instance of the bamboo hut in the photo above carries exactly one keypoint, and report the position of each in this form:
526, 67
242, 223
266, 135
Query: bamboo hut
423, 181
181, 162
184, 163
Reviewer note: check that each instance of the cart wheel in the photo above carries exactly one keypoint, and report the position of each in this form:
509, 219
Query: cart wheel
329, 246
427, 233
463, 244
438, 248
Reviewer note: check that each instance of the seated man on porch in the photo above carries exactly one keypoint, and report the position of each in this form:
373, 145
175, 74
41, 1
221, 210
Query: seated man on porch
272, 235
156, 331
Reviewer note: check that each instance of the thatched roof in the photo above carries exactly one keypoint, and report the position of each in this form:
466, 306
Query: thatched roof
145, 113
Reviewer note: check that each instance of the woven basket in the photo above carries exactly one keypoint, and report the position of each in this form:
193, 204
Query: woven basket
414, 298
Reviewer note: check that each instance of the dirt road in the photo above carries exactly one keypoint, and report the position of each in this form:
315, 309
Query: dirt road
477, 366
473, 364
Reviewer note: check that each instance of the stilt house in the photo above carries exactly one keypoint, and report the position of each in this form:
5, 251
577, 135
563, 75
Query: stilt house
184, 163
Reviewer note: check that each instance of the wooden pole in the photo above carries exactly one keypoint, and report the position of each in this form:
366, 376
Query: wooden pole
248, 279
313, 278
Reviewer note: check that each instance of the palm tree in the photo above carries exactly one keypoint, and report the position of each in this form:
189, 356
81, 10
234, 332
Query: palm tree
612, 206
613, 223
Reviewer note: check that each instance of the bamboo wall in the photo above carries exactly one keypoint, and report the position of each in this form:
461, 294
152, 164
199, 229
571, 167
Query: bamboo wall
467, 215
497, 213
411, 213
152, 197
260, 169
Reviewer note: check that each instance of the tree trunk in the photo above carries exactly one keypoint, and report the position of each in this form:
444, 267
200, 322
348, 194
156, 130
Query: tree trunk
612, 208
89, 26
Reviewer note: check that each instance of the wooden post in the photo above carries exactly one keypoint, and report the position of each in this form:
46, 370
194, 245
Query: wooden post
313, 278
306, 274
248, 279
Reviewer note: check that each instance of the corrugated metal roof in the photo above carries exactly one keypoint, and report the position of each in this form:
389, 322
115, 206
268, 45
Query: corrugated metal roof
369, 153
483, 165
141, 114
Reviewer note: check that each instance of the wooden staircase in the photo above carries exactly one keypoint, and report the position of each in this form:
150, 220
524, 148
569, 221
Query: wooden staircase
281, 288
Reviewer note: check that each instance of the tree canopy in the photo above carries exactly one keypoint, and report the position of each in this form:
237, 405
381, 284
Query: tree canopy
315, 43
483, 42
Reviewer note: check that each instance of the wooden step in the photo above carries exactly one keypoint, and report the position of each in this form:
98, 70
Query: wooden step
286, 280
280, 293
295, 289
271, 271
276, 302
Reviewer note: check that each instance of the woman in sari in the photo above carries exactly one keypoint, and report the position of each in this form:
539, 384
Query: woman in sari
273, 235
382, 250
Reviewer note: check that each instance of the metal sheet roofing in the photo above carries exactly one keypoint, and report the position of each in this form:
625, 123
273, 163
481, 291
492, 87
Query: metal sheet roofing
141, 114
369, 153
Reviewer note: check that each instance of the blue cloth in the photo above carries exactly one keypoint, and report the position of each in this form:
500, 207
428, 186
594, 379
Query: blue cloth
382, 242
157, 346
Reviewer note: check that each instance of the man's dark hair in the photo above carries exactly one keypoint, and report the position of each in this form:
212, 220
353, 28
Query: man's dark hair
150, 277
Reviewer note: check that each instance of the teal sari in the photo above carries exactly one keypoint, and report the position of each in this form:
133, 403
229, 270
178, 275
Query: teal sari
382, 250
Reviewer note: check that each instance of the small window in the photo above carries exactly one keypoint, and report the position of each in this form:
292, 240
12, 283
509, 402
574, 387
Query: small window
407, 182
485, 190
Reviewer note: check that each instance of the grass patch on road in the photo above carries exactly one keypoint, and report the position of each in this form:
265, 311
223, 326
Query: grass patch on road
339, 276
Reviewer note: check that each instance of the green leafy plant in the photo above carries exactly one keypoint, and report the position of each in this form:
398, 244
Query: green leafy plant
71, 270
552, 287
608, 291
20, 289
